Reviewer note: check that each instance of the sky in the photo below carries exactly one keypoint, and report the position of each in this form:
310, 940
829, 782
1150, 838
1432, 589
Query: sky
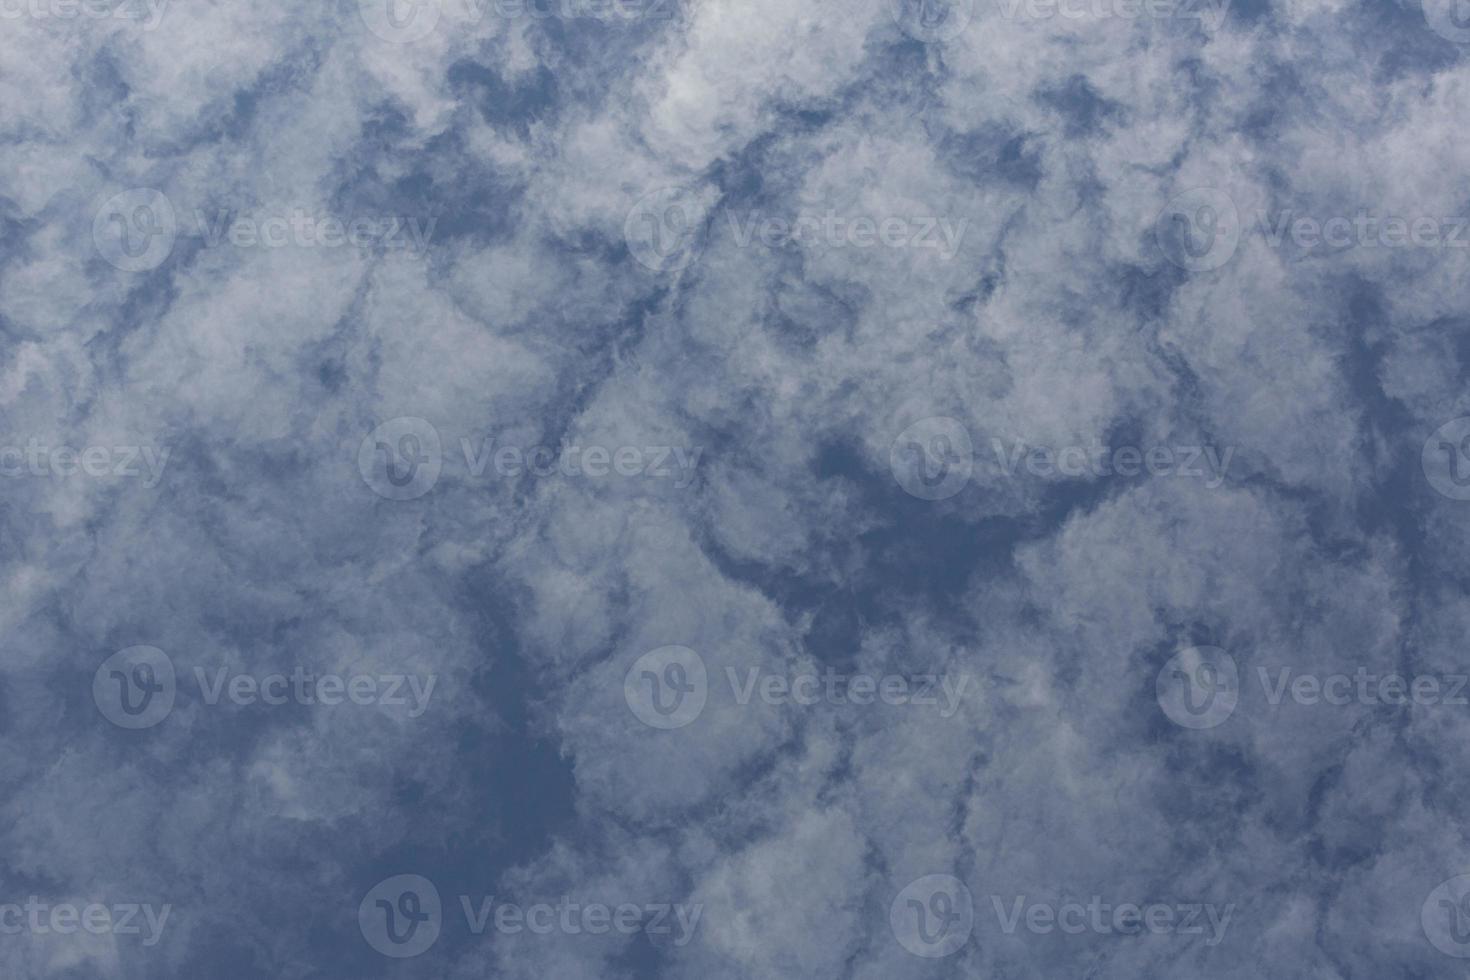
734, 489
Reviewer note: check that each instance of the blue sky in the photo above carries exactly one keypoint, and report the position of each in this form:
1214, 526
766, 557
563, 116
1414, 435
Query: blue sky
670, 488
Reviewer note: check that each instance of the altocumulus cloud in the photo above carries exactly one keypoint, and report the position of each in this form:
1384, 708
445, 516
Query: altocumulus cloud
657, 488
